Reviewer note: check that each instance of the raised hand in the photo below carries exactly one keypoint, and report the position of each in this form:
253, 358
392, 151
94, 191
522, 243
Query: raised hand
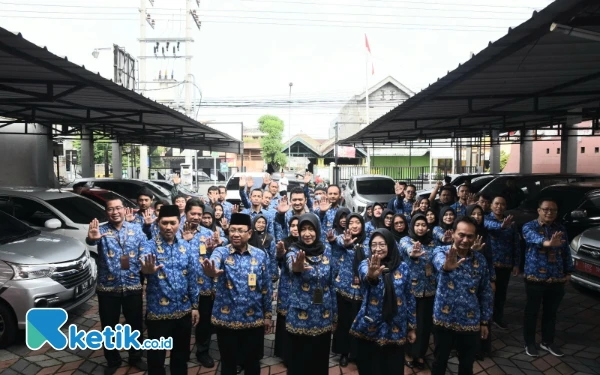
417, 250
187, 233
452, 261
210, 244
243, 181
307, 178
298, 264
556, 240
439, 184
375, 267
224, 223
176, 179
447, 236
215, 238
397, 188
235, 208
324, 204
129, 216
280, 249
149, 266
507, 222
330, 235
478, 245
266, 179
283, 205
471, 198
348, 240
250, 183
415, 207
94, 231
210, 269
148, 219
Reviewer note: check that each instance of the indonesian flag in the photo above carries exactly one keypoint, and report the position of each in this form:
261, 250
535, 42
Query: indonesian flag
369, 50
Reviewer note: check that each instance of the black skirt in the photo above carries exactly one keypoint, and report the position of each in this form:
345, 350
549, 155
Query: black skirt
424, 325
343, 342
374, 359
309, 355
282, 344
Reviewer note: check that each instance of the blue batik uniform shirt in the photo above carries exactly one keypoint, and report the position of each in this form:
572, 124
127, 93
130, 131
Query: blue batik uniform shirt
269, 214
546, 264
227, 209
171, 292
344, 282
506, 247
129, 241
459, 208
463, 300
238, 304
327, 219
421, 284
199, 252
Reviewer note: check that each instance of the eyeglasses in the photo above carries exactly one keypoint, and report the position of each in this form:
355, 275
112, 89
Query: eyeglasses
238, 231
549, 210
113, 209
410, 192
380, 245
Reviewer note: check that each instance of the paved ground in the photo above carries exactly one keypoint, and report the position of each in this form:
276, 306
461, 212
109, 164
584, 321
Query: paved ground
578, 333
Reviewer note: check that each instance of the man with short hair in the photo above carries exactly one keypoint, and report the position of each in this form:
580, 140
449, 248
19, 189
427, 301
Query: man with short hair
461, 205
285, 212
227, 206
283, 184
446, 198
119, 245
242, 307
180, 201
405, 203
144, 202
548, 267
171, 293
485, 202
462, 308
328, 208
396, 203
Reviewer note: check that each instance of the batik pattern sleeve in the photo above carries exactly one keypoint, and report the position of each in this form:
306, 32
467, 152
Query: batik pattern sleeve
411, 302
267, 292
273, 269
244, 197
192, 276
485, 296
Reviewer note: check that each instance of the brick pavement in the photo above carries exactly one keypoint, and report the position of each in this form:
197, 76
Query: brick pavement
578, 333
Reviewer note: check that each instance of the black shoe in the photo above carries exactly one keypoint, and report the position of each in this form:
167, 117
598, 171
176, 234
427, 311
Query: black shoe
553, 349
409, 364
479, 356
139, 364
344, 361
110, 370
205, 360
501, 324
240, 369
531, 350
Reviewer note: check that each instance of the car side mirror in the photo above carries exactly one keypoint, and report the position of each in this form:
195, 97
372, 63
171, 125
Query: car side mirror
352, 194
52, 224
578, 214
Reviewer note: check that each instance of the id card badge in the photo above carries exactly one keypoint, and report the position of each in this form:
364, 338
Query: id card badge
203, 249
428, 269
552, 256
318, 296
124, 262
252, 279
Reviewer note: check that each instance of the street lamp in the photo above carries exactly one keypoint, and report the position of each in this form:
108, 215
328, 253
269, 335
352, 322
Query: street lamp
290, 127
96, 52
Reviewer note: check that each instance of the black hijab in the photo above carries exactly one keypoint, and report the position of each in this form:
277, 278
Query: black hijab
368, 217
424, 240
435, 220
399, 235
316, 248
336, 221
260, 239
209, 210
481, 231
360, 238
391, 262
290, 240
443, 211
377, 221
386, 212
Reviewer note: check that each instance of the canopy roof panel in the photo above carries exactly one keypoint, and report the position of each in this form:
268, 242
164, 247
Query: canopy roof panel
37, 86
531, 78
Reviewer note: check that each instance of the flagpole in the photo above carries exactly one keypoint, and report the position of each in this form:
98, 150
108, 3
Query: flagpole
367, 103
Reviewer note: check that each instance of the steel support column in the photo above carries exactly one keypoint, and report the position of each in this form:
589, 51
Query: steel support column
526, 148
87, 152
495, 152
568, 145
117, 160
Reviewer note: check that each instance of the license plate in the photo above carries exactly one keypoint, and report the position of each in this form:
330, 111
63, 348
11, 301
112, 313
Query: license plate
83, 288
587, 268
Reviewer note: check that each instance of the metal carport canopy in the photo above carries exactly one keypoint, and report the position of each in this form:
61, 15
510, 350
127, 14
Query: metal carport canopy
37, 86
528, 79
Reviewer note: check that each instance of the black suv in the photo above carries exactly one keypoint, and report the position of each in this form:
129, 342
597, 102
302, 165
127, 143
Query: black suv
127, 188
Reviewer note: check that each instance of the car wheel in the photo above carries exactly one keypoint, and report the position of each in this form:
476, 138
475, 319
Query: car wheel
8, 325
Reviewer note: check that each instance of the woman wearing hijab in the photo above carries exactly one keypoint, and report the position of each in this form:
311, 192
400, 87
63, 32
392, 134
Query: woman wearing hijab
483, 245
347, 287
432, 219
417, 249
387, 219
442, 234
263, 240
376, 221
368, 213
387, 316
219, 216
399, 228
312, 311
339, 226
208, 221
281, 348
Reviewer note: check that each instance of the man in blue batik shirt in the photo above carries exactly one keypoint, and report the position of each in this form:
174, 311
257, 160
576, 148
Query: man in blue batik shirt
144, 202
242, 308
227, 207
548, 267
256, 209
171, 293
404, 205
328, 207
463, 200
463, 301
119, 246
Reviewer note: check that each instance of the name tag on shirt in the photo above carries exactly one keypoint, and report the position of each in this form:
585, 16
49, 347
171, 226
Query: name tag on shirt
203, 249
252, 279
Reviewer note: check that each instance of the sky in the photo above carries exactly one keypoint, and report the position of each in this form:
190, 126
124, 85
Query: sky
248, 51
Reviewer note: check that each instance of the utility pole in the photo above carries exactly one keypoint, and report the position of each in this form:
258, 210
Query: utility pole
290, 127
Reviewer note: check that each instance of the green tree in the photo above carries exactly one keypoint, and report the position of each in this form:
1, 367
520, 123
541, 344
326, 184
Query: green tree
271, 144
503, 159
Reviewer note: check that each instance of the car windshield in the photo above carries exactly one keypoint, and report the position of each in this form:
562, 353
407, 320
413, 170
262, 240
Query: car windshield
375, 186
566, 199
12, 229
126, 202
234, 183
478, 183
157, 189
79, 210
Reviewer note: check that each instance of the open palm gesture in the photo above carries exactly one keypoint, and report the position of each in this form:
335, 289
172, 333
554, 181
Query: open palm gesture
149, 266
478, 244
452, 261
330, 235
187, 233
324, 204
94, 231
148, 219
348, 240
280, 247
210, 269
447, 236
283, 205
298, 263
129, 216
375, 268
417, 250
243, 181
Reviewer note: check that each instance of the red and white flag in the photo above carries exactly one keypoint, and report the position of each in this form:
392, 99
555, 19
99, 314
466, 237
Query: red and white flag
369, 50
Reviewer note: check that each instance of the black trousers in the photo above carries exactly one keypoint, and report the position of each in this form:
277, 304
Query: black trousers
548, 295
309, 355
343, 342
502, 279
109, 309
243, 345
466, 347
424, 325
181, 332
204, 329
379, 360
282, 341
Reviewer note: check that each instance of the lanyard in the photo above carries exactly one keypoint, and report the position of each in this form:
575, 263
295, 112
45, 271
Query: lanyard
118, 238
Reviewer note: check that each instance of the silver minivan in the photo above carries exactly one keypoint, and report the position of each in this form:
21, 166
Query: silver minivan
366, 189
39, 270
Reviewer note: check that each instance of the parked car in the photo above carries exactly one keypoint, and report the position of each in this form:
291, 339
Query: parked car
478, 181
293, 179
52, 211
233, 186
578, 206
39, 270
100, 195
585, 249
362, 190
168, 185
126, 187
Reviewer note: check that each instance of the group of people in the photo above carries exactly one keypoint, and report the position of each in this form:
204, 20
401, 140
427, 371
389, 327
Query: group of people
371, 287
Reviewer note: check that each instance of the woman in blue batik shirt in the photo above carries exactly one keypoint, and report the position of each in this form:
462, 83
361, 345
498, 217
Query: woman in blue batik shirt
376, 221
347, 287
339, 226
387, 219
208, 221
442, 234
417, 250
312, 311
432, 219
399, 229
263, 240
281, 348
387, 317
